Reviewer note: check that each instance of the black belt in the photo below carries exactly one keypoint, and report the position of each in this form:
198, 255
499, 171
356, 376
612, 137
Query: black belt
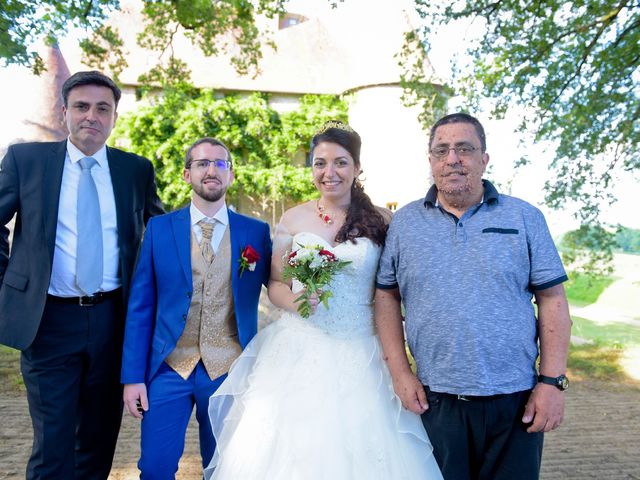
471, 398
87, 300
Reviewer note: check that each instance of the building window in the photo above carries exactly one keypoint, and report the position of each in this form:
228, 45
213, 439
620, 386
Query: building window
393, 206
290, 20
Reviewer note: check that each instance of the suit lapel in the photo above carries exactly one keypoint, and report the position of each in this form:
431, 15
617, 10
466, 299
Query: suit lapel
121, 194
54, 167
238, 237
181, 224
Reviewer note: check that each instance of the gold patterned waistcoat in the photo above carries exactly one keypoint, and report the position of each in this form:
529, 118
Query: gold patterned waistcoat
210, 333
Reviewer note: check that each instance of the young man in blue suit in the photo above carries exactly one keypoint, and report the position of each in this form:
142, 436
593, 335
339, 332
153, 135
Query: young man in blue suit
193, 308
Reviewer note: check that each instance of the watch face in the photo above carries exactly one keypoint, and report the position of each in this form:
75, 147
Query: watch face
563, 382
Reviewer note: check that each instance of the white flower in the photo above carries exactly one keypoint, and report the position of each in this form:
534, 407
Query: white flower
318, 260
305, 253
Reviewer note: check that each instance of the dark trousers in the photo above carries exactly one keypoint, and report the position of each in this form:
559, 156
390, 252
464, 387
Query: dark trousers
71, 372
482, 438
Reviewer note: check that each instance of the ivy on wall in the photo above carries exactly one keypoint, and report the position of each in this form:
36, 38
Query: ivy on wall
268, 148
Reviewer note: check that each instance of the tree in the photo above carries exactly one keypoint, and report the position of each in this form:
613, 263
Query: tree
23, 22
589, 249
213, 26
574, 67
628, 240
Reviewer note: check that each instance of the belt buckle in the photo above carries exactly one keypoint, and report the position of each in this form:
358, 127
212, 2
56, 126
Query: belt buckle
464, 398
87, 301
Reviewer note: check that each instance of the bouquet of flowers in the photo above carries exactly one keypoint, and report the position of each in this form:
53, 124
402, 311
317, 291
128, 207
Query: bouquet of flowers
314, 267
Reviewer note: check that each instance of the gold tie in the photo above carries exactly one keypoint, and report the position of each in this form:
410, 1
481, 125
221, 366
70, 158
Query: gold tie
205, 243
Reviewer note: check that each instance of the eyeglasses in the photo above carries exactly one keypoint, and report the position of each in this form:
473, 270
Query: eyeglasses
203, 165
463, 151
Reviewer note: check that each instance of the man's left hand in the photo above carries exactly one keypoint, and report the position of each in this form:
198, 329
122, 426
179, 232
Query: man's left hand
545, 408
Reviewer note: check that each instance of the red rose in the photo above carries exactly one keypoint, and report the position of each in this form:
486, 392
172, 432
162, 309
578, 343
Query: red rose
250, 255
292, 255
326, 253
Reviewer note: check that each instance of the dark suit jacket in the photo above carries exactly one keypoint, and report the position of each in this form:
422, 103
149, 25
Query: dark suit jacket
163, 285
30, 180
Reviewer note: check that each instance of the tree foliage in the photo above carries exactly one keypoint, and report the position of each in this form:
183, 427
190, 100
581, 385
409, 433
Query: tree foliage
212, 26
589, 249
628, 240
419, 87
575, 67
262, 141
23, 22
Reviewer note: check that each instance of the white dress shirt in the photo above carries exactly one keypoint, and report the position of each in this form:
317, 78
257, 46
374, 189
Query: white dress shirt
220, 221
63, 274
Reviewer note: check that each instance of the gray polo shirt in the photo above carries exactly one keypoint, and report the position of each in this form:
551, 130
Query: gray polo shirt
466, 285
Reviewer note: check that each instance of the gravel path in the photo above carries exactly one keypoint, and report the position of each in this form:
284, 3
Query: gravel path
599, 439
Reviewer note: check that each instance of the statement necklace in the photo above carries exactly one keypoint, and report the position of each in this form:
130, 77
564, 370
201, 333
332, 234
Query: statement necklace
322, 213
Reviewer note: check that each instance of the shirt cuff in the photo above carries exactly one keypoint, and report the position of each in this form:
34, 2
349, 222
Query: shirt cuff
382, 286
550, 284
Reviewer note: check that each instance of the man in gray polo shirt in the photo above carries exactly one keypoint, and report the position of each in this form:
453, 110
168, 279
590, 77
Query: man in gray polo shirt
465, 262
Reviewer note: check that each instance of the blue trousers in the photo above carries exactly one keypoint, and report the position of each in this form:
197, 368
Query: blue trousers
164, 425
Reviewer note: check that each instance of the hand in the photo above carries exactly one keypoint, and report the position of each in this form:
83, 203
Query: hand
135, 399
314, 300
411, 392
545, 408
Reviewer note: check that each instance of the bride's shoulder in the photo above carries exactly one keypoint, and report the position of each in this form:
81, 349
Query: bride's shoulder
297, 215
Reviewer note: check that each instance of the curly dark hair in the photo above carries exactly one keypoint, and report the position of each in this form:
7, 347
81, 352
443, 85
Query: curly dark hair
363, 218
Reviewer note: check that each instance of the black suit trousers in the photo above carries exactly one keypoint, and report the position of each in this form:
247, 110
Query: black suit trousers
71, 372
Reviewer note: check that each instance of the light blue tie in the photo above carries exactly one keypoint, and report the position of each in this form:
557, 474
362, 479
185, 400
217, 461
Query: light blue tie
89, 250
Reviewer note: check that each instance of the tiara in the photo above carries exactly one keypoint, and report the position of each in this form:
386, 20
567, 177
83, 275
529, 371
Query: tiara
335, 124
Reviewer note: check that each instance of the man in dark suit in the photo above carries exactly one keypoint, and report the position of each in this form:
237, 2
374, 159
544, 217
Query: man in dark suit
80, 212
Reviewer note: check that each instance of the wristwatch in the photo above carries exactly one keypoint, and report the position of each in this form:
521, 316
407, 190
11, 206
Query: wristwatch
561, 382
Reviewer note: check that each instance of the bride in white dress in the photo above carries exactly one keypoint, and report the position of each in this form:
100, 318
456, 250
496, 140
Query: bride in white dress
312, 399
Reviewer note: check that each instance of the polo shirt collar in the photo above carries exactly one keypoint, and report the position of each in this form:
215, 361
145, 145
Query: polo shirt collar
490, 195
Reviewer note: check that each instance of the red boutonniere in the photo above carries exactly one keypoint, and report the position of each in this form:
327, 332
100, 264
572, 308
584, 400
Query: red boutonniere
248, 259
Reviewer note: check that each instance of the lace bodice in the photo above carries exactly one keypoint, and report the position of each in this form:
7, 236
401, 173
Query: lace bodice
350, 312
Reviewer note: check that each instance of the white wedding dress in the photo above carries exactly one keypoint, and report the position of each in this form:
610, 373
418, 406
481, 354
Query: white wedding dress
312, 399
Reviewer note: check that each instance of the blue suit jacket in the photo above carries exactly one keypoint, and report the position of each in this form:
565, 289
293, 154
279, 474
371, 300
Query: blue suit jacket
162, 287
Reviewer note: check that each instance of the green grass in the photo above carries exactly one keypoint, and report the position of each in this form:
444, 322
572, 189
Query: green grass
600, 360
611, 334
597, 362
10, 378
585, 289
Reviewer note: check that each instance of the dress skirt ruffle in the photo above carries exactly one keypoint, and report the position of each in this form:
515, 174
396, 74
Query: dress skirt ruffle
302, 404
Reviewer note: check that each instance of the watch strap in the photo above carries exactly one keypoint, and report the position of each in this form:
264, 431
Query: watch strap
561, 382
